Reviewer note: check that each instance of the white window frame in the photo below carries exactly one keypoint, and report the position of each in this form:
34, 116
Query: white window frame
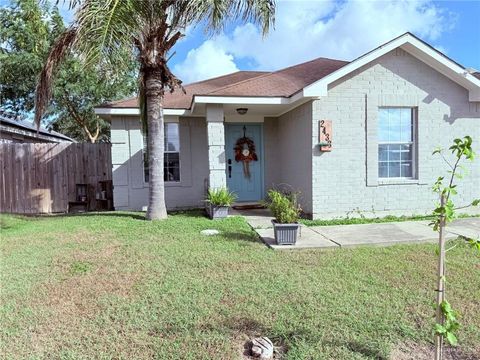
413, 143
144, 151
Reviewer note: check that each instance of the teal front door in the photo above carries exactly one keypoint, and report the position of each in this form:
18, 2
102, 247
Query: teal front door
245, 178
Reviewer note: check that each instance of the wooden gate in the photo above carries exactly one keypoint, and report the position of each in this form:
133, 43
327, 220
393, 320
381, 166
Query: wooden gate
42, 177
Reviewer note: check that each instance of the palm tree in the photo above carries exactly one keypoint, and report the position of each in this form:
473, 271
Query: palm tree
148, 29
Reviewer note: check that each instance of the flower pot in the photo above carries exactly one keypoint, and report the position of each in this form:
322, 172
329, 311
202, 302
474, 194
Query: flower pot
285, 234
217, 212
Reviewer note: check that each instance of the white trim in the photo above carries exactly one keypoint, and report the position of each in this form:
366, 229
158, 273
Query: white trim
248, 100
136, 111
416, 48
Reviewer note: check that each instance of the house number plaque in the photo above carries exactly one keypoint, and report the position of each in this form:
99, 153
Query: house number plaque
325, 135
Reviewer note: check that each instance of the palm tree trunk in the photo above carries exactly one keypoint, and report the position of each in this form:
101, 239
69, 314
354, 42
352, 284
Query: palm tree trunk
155, 146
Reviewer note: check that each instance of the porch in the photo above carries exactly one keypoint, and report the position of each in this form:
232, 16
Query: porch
255, 147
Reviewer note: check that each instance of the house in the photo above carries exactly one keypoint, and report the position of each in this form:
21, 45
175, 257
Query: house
350, 136
16, 130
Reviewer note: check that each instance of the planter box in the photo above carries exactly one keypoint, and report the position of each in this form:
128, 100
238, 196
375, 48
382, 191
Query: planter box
217, 212
285, 234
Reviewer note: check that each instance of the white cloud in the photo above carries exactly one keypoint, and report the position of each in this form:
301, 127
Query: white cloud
305, 30
206, 61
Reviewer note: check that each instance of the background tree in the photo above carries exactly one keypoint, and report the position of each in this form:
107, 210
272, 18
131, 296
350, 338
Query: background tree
105, 30
28, 28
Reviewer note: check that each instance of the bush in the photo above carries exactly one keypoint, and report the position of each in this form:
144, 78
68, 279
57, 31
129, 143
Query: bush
284, 207
221, 197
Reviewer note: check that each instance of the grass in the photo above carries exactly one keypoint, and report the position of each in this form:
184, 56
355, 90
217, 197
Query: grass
112, 285
365, 220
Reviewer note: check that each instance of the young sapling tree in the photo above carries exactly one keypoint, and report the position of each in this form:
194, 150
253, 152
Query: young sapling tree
446, 321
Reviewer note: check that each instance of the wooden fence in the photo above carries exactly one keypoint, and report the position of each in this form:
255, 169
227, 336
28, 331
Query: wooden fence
42, 177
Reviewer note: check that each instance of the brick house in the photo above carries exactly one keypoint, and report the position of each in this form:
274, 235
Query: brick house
351, 136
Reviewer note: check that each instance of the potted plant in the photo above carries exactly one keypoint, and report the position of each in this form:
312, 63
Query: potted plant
218, 202
286, 212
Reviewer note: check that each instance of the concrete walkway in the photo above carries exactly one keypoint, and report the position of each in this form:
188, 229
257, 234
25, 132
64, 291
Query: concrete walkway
380, 234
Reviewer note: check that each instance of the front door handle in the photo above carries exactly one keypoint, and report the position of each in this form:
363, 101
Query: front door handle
229, 171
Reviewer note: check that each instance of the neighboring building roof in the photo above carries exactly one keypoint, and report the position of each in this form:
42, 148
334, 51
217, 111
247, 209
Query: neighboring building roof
285, 82
9, 119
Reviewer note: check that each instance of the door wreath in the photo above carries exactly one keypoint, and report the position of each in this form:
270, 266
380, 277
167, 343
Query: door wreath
245, 152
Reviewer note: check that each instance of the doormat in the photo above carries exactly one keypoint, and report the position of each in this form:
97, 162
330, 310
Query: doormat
248, 207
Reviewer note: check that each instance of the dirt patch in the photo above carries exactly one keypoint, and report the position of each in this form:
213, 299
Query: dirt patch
413, 351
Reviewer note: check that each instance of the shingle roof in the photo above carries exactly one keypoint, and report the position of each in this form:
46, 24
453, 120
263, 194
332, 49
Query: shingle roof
282, 83
476, 74
13, 120
179, 100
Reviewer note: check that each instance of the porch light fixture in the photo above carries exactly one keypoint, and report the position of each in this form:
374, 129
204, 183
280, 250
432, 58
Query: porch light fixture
242, 111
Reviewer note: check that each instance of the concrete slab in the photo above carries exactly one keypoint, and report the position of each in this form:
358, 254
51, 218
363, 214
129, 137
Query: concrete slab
468, 227
379, 234
307, 239
256, 218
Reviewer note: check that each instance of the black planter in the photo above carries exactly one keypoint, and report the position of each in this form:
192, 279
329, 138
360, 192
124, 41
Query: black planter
285, 234
217, 212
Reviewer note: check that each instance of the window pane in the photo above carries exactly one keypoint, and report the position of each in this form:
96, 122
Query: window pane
406, 125
171, 164
382, 152
171, 167
394, 169
406, 169
172, 140
383, 125
394, 124
393, 152
406, 152
383, 169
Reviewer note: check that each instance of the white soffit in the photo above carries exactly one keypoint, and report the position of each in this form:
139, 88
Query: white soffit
136, 111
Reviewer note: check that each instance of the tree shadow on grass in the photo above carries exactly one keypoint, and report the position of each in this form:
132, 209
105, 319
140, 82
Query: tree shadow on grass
363, 349
112, 214
194, 213
244, 236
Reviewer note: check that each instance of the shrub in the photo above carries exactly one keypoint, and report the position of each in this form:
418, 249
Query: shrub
221, 197
284, 207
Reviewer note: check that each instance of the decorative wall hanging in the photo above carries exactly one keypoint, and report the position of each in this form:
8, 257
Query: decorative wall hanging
245, 152
325, 135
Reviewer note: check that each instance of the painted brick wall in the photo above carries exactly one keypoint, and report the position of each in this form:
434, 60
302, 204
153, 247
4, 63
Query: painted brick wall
294, 129
130, 190
345, 180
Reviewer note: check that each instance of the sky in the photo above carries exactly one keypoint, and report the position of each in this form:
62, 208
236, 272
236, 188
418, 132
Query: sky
305, 30
344, 29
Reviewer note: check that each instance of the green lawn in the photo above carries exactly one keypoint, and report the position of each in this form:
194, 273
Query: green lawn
113, 285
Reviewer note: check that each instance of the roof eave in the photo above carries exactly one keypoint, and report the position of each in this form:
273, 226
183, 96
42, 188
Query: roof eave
416, 48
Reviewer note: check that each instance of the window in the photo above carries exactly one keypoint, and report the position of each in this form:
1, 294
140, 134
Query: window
171, 161
396, 143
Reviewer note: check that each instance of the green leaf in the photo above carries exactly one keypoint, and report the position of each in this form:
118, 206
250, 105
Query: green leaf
451, 338
440, 329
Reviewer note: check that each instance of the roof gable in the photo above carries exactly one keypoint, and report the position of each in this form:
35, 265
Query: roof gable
417, 48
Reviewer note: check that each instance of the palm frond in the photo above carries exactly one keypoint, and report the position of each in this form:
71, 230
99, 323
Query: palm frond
218, 13
44, 87
106, 28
